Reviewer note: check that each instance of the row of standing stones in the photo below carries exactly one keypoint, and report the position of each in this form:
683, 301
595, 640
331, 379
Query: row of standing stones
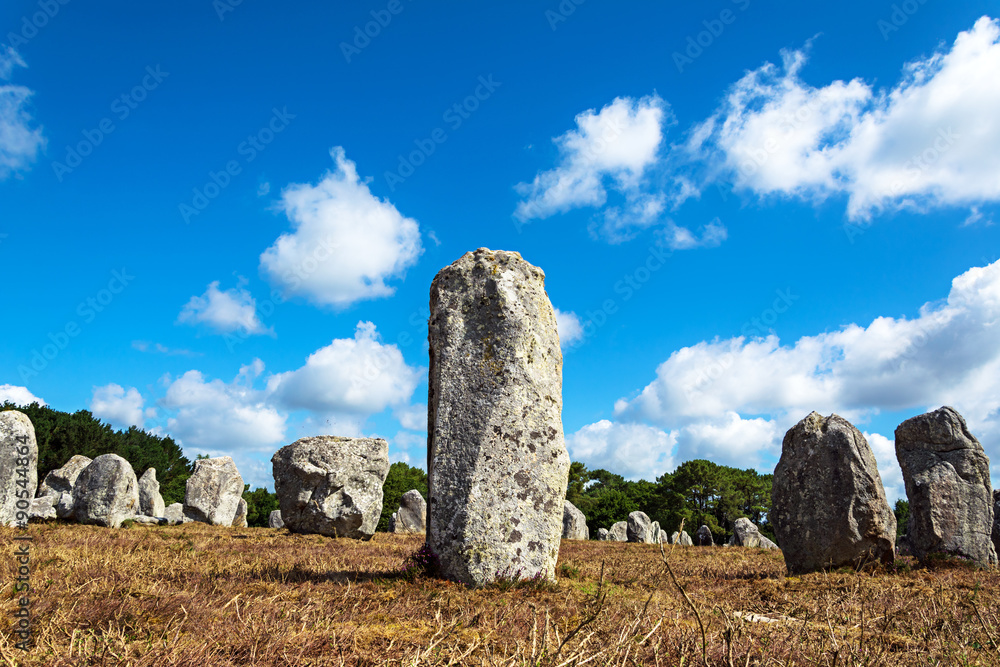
498, 466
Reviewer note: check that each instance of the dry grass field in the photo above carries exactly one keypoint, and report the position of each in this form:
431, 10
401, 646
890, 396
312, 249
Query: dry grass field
198, 595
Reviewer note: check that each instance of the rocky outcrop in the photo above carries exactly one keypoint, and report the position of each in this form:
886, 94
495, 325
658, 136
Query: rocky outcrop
106, 492
639, 528
829, 509
703, 537
574, 523
18, 467
150, 500
619, 532
331, 485
497, 461
240, 520
947, 477
274, 520
213, 491
411, 517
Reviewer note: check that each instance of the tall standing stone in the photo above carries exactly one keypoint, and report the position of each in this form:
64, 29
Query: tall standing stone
150, 501
18, 467
640, 529
106, 492
574, 523
213, 491
331, 485
411, 517
829, 509
497, 463
703, 538
947, 477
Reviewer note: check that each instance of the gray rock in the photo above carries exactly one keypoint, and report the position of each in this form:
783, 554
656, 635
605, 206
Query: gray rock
996, 521
619, 532
174, 514
42, 508
106, 492
64, 505
61, 480
829, 509
574, 523
703, 537
144, 520
947, 477
18, 467
240, 520
411, 517
274, 520
497, 461
213, 491
681, 539
150, 500
767, 544
603, 534
639, 528
654, 532
664, 538
745, 534
331, 485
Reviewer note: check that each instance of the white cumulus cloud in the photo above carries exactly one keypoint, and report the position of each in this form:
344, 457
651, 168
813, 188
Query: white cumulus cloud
225, 311
359, 375
119, 406
19, 141
610, 148
632, 450
18, 395
569, 327
345, 242
217, 416
932, 140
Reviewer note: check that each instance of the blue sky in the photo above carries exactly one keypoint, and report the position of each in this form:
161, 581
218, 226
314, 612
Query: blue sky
220, 221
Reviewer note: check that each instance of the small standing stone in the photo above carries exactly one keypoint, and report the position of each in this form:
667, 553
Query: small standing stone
746, 534
18, 467
106, 492
681, 539
947, 477
331, 485
62, 480
639, 528
411, 517
240, 520
603, 534
829, 509
174, 514
497, 460
703, 538
274, 520
574, 523
213, 491
619, 532
150, 500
